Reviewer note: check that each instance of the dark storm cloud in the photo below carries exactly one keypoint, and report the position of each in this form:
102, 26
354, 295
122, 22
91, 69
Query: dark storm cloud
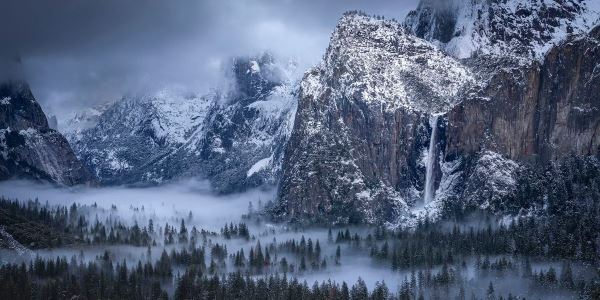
79, 52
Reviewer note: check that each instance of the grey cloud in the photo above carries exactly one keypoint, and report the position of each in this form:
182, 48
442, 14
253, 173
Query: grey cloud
77, 53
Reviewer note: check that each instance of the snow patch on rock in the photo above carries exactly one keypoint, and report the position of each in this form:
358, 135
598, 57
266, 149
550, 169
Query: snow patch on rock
260, 165
379, 61
522, 29
498, 171
13, 244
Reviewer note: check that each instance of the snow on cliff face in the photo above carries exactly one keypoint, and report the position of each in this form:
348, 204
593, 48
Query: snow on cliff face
134, 130
362, 119
226, 133
379, 61
506, 43
523, 29
174, 115
74, 126
356, 153
246, 134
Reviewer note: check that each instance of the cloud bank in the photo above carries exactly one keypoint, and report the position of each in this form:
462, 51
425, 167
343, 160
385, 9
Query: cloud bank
80, 53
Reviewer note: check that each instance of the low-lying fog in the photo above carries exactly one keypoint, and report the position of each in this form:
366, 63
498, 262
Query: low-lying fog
171, 203
164, 203
192, 202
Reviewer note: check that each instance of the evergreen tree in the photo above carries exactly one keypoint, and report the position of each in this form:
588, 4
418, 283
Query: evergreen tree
359, 290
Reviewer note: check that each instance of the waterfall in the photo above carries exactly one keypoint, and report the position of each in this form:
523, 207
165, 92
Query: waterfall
430, 161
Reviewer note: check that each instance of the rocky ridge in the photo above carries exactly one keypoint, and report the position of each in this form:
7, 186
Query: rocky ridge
29, 148
233, 137
361, 143
517, 29
361, 134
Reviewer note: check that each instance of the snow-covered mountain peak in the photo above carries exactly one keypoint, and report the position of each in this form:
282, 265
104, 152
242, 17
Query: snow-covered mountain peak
82, 120
255, 76
524, 29
170, 113
380, 62
233, 135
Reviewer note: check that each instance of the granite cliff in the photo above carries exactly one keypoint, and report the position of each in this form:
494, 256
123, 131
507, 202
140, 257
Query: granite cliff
29, 148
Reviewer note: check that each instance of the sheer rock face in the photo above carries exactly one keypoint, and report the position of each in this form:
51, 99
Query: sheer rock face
234, 138
362, 126
525, 121
535, 101
570, 98
512, 101
536, 114
29, 148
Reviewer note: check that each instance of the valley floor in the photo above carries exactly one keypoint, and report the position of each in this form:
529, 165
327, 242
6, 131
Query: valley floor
179, 241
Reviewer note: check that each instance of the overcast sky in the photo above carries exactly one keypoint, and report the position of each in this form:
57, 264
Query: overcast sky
77, 53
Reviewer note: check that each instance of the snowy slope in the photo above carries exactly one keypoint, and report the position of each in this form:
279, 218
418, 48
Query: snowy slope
522, 29
74, 125
233, 137
8, 241
135, 129
377, 60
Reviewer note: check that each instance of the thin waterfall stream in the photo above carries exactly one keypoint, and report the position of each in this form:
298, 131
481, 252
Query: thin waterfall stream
430, 160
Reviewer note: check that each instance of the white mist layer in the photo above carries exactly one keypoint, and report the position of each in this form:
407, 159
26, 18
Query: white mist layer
168, 203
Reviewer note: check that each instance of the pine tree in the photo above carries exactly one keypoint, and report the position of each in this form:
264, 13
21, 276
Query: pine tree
566, 276
380, 292
302, 264
150, 226
490, 292
344, 293
317, 250
183, 233
359, 290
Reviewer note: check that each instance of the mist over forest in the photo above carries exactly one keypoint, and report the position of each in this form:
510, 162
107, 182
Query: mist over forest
181, 240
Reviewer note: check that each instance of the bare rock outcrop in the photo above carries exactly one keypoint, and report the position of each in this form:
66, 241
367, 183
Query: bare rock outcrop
29, 148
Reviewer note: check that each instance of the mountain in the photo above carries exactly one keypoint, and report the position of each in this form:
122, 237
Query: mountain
466, 104
232, 137
536, 117
360, 140
118, 143
74, 126
449, 110
522, 29
29, 148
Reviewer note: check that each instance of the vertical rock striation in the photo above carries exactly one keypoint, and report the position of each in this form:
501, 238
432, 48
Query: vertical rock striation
515, 84
362, 130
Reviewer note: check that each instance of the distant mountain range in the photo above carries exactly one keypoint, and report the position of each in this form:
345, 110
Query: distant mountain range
233, 137
467, 104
